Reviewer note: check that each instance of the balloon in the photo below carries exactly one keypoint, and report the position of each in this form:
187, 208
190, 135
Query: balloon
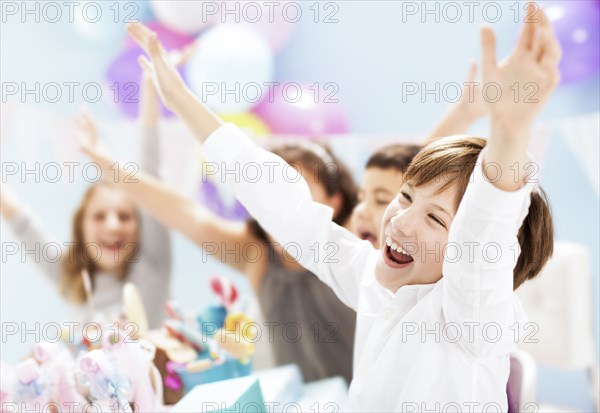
124, 74
98, 22
230, 68
291, 109
209, 196
577, 26
169, 38
184, 16
249, 123
272, 20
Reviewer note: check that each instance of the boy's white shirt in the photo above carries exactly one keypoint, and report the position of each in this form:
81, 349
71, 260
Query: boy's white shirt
427, 347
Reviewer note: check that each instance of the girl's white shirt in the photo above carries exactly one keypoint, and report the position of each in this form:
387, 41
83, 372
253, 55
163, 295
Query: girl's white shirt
435, 347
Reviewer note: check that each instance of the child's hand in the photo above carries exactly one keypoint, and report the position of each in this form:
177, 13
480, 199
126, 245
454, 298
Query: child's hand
88, 137
163, 70
177, 57
526, 78
9, 202
471, 101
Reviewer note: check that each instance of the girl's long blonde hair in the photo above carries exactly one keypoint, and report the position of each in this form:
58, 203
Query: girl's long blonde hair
76, 260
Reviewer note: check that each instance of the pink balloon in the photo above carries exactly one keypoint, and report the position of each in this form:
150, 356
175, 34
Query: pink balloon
302, 109
169, 38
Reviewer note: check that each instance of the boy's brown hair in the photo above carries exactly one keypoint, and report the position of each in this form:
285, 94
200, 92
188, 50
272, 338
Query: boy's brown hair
451, 161
396, 156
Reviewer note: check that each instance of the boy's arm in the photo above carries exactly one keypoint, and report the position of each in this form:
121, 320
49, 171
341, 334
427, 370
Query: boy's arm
277, 196
533, 65
282, 206
482, 245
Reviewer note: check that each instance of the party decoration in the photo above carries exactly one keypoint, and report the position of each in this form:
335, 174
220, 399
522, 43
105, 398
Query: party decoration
98, 22
225, 290
134, 310
235, 395
251, 124
124, 75
184, 16
231, 68
276, 22
293, 108
577, 27
210, 197
106, 385
277, 32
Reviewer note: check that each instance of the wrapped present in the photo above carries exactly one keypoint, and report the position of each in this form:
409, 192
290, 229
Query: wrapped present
235, 395
281, 385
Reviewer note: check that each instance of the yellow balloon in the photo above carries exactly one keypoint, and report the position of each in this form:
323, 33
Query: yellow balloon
249, 123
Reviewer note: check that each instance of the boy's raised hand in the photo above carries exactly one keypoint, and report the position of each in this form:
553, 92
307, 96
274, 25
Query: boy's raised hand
471, 101
526, 77
161, 66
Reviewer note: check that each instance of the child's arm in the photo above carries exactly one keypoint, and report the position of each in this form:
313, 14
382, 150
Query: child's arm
482, 246
170, 86
31, 233
169, 207
464, 113
281, 203
155, 243
533, 66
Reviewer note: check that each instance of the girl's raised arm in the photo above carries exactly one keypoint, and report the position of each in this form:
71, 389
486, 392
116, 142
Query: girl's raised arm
168, 206
31, 233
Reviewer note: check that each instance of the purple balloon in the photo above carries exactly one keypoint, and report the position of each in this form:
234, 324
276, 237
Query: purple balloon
577, 26
302, 109
124, 74
208, 195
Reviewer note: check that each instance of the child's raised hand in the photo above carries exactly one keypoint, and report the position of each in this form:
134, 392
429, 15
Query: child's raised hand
471, 100
161, 67
526, 78
88, 136
177, 57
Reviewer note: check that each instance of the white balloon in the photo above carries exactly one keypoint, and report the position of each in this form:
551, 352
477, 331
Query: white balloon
183, 16
231, 68
95, 21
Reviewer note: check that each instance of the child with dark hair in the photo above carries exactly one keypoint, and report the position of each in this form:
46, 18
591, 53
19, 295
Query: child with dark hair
383, 175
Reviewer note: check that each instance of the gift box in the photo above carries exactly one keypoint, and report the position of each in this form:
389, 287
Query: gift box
243, 394
229, 368
281, 385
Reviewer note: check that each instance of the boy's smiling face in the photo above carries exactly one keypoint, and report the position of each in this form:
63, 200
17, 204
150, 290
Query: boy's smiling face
379, 187
415, 222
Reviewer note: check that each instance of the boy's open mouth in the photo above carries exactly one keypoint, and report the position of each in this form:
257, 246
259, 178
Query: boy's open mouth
395, 254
